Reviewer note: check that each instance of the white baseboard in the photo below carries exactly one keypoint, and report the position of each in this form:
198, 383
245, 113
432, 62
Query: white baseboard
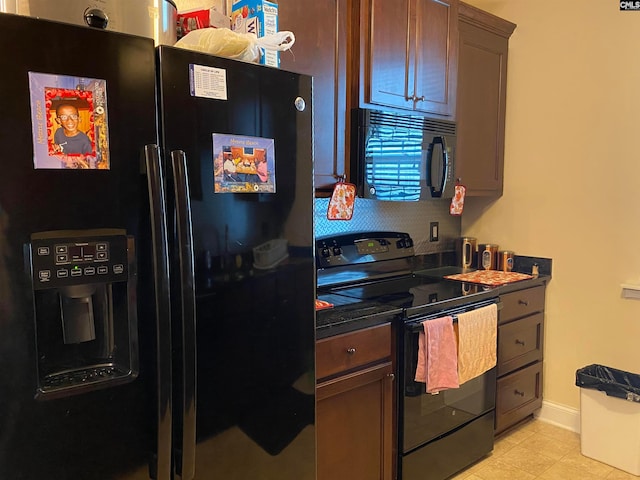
559, 415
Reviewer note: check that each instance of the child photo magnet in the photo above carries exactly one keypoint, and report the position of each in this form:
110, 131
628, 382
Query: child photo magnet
243, 164
69, 122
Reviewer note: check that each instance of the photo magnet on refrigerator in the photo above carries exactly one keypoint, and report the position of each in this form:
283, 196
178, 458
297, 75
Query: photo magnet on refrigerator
69, 122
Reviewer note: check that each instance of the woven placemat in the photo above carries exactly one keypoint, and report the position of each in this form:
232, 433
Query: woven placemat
489, 277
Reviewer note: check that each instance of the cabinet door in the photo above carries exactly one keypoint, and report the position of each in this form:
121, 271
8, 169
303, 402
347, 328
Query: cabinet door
354, 425
482, 76
320, 50
388, 74
435, 43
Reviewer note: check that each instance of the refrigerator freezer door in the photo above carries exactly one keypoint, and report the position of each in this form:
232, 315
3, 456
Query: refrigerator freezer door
246, 134
94, 433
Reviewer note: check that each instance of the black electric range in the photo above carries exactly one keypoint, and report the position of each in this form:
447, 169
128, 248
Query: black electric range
369, 278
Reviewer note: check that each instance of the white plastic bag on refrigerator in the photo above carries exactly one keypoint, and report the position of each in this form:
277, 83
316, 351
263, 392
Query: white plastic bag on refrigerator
241, 46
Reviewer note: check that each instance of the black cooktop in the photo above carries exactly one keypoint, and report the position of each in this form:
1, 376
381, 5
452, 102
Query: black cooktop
413, 293
347, 310
368, 278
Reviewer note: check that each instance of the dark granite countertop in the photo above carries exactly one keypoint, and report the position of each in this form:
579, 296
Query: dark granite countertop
470, 293
338, 320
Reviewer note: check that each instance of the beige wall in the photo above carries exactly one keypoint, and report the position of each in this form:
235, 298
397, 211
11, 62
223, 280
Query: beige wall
572, 177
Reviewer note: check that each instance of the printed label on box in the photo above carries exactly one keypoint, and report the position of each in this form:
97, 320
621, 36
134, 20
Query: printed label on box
260, 18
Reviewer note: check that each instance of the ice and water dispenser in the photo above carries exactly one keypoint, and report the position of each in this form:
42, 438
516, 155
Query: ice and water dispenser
85, 312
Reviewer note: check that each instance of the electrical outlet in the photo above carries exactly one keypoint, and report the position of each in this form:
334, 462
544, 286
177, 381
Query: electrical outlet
433, 231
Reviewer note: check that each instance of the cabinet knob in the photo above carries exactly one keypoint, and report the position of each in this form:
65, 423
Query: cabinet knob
518, 392
519, 342
351, 350
523, 302
392, 376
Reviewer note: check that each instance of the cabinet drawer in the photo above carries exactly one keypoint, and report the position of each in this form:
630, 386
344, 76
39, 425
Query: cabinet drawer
351, 350
519, 395
520, 343
521, 303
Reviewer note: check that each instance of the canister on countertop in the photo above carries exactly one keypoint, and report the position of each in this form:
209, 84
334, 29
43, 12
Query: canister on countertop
488, 256
469, 288
505, 260
467, 250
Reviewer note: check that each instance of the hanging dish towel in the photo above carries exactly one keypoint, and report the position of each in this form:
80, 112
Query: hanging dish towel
437, 364
477, 342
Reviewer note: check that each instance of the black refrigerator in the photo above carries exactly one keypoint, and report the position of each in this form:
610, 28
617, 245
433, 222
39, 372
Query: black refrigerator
156, 307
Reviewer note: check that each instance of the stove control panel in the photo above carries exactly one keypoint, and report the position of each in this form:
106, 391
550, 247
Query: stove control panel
372, 246
362, 247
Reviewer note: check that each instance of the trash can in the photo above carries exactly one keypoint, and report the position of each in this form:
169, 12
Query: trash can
610, 416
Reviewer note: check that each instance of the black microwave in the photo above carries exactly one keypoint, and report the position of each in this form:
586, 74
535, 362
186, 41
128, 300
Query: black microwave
401, 157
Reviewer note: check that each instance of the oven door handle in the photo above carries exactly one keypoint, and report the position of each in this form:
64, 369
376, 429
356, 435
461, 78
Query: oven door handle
416, 325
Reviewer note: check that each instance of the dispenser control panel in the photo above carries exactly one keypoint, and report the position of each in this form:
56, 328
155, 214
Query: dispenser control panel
65, 258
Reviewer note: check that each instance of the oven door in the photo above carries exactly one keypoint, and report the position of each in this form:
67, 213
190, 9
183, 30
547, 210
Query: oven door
441, 434
428, 416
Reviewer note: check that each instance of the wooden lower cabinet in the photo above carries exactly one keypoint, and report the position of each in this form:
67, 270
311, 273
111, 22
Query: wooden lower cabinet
355, 405
520, 356
354, 425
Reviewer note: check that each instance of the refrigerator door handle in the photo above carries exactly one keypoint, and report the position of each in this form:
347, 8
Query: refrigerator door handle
155, 181
184, 235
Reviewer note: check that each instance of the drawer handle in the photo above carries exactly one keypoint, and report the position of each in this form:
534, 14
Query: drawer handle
518, 392
391, 376
519, 342
351, 350
523, 302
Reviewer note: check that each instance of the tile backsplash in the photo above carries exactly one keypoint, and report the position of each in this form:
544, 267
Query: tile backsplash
410, 217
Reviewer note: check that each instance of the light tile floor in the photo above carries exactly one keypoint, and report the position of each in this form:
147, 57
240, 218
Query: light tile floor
539, 450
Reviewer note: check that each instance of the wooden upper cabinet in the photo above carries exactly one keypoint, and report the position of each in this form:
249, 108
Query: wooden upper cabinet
481, 100
408, 55
436, 47
320, 50
386, 53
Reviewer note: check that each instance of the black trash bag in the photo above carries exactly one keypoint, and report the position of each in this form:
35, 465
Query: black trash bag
615, 383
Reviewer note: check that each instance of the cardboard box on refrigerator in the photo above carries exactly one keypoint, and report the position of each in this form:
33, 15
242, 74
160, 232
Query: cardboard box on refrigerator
202, 18
259, 17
